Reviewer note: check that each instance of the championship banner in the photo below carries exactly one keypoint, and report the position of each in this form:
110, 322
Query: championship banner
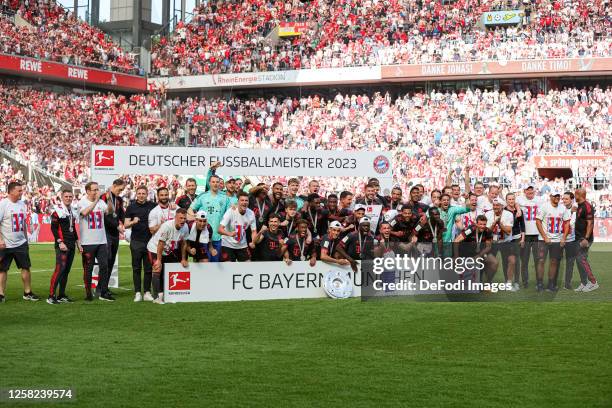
230, 281
115, 160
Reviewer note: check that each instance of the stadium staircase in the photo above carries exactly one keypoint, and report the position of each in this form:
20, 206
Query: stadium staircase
32, 172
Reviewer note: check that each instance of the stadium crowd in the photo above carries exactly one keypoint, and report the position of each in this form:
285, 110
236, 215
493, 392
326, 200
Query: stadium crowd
55, 34
234, 36
428, 133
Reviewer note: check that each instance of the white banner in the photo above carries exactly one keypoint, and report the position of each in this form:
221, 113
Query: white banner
228, 281
114, 278
373, 213
111, 160
320, 76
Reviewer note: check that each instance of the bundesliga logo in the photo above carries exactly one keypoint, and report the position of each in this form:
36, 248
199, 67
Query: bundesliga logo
179, 281
381, 164
104, 158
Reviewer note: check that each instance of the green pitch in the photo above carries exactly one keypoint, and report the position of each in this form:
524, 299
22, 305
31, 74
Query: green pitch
308, 352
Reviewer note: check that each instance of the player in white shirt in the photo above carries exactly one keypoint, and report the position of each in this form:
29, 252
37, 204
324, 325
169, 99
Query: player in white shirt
485, 202
571, 246
164, 211
530, 206
500, 222
14, 240
469, 219
552, 222
233, 229
93, 240
168, 245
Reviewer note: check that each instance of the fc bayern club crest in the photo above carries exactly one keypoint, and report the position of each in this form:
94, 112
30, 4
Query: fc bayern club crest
381, 164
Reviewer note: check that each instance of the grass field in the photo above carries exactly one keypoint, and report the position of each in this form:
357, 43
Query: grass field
308, 352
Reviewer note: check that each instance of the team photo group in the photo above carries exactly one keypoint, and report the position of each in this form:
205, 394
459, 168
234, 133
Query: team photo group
235, 221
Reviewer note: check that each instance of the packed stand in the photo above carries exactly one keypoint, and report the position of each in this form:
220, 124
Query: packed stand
55, 34
233, 36
499, 132
71, 123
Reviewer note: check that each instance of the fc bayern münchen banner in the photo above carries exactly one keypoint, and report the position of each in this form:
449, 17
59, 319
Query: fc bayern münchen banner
230, 281
111, 160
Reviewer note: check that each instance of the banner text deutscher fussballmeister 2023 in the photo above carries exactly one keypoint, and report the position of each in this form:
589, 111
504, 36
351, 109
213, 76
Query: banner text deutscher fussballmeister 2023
110, 160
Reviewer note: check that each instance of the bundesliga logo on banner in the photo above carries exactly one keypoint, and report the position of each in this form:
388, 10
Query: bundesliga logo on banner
179, 281
104, 158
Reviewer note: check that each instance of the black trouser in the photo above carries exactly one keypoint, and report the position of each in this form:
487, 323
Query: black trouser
63, 263
113, 248
140, 261
531, 247
584, 267
158, 278
90, 254
571, 249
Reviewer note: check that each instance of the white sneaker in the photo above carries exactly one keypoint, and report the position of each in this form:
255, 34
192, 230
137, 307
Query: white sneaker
138, 297
148, 297
515, 287
580, 288
159, 300
590, 287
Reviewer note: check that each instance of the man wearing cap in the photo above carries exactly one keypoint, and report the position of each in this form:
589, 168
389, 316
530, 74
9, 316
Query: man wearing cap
358, 245
530, 205
215, 204
500, 222
552, 223
199, 240
330, 243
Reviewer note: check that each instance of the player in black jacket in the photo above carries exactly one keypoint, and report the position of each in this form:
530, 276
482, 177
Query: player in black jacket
63, 227
113, 220
298, 247
190, 195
